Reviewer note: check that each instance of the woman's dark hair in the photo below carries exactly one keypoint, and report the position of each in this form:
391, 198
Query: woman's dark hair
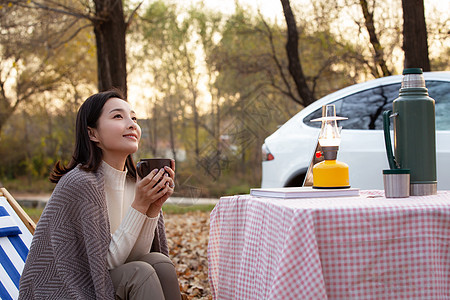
86, 152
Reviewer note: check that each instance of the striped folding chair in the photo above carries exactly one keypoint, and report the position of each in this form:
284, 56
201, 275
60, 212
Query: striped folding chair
15, 240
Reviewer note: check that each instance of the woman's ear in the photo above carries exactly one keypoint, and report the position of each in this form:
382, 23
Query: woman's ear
93, 134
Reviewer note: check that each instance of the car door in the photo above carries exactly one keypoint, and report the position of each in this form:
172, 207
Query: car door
440, 92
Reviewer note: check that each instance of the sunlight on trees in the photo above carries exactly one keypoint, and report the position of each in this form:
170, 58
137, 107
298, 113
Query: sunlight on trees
209, 86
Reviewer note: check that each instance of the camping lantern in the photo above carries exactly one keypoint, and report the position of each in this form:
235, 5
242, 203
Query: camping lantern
330, 173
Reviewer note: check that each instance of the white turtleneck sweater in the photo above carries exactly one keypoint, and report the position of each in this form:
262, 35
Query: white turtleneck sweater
131, 231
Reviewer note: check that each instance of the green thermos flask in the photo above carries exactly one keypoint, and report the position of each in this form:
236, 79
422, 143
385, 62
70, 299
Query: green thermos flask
414, 133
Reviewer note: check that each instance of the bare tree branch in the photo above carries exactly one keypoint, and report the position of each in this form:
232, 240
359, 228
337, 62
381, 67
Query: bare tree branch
73, 35
133, 13
63, 10
325, 66
278, 64
281, 90
376, 45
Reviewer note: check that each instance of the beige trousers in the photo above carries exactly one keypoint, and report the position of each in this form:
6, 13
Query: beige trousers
153, 277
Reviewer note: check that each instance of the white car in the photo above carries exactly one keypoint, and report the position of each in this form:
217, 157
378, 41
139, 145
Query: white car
288, 152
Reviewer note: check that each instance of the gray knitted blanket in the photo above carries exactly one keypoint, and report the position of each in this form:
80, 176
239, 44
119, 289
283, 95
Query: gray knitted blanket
67, 257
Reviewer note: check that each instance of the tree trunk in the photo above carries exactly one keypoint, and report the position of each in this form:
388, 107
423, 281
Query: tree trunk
170, 124
5, 113
110, 39
377, 48
415, 42
192, 86
172, 136
218, 118
152, 125
295, 67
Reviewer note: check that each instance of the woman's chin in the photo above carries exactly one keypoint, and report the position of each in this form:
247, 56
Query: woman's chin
134, 150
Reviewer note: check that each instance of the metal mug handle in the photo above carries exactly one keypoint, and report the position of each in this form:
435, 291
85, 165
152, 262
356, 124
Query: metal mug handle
387, 139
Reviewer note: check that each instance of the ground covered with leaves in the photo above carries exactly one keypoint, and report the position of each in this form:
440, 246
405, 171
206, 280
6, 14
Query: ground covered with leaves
187, 235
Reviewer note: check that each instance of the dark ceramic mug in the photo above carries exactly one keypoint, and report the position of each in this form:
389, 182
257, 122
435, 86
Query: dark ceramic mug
146, 165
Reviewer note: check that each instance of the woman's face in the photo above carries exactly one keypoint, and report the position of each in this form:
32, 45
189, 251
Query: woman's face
117, 132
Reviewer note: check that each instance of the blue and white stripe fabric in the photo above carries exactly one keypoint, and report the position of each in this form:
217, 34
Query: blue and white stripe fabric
15, 240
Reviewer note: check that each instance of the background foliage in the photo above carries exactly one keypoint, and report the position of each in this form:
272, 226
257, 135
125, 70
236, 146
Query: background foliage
208, 87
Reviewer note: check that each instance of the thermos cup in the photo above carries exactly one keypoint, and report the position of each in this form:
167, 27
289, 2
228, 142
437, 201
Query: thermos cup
414, 133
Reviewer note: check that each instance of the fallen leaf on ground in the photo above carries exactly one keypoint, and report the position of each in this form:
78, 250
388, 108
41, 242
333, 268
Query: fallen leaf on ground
187, 236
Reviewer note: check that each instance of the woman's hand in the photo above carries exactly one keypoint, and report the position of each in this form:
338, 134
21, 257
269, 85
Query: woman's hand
156, 206
153, 190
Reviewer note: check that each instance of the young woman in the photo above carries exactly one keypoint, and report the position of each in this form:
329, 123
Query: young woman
101, 235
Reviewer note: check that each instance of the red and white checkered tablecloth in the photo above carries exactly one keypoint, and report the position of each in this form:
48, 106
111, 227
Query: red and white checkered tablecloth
365, 247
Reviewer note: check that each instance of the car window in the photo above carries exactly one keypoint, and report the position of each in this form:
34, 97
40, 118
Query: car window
364, 109
440, 92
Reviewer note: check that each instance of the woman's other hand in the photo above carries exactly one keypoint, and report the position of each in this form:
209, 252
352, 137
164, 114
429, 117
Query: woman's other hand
156, 206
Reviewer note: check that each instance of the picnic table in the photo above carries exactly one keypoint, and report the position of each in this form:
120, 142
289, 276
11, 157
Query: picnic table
362, 247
